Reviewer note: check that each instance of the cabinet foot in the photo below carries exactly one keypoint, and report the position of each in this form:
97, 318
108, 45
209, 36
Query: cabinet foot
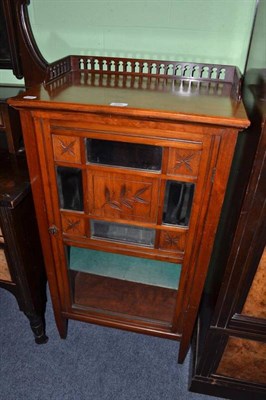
37, 325
62, 326
183, 349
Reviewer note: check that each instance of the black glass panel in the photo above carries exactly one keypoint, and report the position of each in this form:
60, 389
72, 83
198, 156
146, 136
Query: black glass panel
69, 181
123, 233
178, 202
131, 155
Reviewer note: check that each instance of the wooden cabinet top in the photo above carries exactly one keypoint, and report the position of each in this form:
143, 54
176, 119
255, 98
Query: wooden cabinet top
153, 96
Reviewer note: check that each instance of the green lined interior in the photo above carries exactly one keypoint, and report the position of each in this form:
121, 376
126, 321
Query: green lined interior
134, 269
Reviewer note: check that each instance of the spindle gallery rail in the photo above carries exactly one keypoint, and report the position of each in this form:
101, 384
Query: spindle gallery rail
165, 70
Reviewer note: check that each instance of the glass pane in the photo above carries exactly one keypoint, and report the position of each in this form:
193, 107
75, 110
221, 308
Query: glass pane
123, 233
69, 181
135, 269
178, 202
123, 285
130, 155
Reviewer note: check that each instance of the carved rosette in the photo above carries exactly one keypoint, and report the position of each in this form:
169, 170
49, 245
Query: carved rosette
172, 241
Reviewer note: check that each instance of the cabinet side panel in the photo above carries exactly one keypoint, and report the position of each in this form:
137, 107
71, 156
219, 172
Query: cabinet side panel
255, 305
4, 270
221, 166
244, 359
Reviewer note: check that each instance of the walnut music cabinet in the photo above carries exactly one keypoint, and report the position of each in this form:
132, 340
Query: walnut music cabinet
129, 161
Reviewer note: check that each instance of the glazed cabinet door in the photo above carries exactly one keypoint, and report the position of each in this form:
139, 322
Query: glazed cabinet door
125, 210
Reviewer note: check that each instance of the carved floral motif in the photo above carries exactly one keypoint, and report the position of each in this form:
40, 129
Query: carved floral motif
125, 199
116, 195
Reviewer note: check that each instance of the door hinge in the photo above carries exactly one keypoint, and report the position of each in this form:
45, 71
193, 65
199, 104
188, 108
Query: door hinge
53, 230
213, 174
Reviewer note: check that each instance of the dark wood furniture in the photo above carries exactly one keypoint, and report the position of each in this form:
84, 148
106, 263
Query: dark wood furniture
129, 161
230, 349
22, 269
10, 128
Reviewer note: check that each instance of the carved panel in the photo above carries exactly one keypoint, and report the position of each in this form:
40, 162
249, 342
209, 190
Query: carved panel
67, 148
244, 359
73, 225
255, 304
183, 162
123, 196
172, 240
4, 270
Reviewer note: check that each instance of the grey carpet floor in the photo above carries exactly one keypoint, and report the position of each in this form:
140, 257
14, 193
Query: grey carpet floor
93, 363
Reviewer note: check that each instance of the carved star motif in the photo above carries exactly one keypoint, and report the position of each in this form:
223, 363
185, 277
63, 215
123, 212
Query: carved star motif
171, 240
73, 225
184, 161
67, 147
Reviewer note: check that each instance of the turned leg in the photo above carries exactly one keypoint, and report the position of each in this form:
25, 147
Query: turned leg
37, 325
